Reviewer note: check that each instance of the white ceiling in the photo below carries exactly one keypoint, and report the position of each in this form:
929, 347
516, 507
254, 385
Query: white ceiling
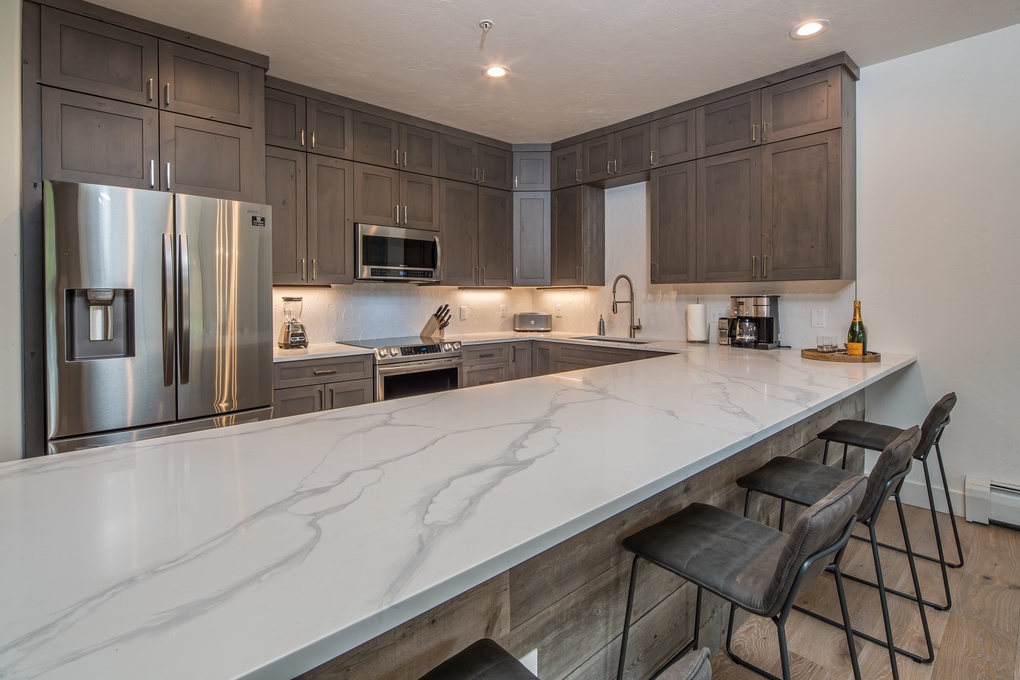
576, 64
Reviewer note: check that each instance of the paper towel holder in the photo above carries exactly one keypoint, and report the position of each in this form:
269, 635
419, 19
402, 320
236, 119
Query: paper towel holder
698, 327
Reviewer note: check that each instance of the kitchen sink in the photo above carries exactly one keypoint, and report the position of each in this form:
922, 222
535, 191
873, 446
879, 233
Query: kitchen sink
604, 338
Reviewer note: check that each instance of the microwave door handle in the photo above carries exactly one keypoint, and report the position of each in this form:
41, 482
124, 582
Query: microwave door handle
168, 310
439, 260
184, 301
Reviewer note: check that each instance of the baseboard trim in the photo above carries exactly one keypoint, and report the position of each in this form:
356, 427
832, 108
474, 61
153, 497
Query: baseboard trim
916, 494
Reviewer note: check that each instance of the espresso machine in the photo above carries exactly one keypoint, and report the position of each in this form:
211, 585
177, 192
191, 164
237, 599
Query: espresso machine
754, 321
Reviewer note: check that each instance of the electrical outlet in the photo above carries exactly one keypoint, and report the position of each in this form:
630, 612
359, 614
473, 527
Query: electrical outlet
463, 313
559, 312
502, 311
818, 318
717, 313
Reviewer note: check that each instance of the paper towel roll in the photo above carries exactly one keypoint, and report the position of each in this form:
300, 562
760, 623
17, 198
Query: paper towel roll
697, 323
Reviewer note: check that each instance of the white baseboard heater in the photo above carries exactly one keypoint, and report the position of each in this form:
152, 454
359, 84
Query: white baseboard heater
991, 502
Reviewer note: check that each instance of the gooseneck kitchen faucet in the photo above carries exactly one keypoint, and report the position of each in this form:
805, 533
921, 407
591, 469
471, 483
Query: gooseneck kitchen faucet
633, 328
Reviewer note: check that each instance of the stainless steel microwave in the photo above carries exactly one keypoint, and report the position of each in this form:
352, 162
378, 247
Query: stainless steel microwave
395, 254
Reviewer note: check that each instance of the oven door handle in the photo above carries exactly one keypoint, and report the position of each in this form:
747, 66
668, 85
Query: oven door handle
416, 366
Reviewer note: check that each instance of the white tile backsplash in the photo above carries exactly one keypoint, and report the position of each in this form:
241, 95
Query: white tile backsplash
374, 310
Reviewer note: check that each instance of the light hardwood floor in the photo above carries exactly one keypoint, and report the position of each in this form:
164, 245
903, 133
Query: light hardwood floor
977, 639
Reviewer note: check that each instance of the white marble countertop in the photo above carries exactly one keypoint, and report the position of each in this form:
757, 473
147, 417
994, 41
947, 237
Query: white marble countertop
263, 550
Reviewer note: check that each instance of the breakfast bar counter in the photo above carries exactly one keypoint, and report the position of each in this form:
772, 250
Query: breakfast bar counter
264, 550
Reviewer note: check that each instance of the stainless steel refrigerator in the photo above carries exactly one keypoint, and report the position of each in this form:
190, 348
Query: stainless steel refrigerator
158, 313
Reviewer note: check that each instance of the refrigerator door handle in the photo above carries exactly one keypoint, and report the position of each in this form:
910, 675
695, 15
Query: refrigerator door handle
184, 302
168, 310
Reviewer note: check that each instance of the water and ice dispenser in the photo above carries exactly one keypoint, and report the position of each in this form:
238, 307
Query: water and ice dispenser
100, 323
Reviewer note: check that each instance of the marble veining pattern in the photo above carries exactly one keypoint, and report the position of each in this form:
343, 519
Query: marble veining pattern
265, 549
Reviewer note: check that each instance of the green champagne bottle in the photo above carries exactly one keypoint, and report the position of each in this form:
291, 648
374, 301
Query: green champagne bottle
857, 336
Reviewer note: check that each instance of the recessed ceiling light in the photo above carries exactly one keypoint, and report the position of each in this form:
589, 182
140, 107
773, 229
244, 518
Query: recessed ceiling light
809, 29
496, 72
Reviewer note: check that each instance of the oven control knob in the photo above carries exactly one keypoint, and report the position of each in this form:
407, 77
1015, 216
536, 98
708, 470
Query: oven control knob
446, 346
381, 352
394, 351
456, 345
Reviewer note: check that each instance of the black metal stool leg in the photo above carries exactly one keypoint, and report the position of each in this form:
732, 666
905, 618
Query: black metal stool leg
949, 503
847, 627
884, 601
917, 584
626, 618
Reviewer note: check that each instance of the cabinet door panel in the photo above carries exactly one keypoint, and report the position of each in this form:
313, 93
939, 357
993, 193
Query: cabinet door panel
566, 237
673, 139
96, 140
459, 223
801, 106
566, 167
419, 150
801, 208
673, 201
376, 195
531, 171
205, 85
330, 129
285, 119
294, 401
350, 393
598, 156
729, 216
631, 153
495, 224
375, 140
532, 234
457, 159
330, 220
286, 193
206, 158
541, 358
91, 56
419, 200
494, 167
484, 375
729, 124
520, 360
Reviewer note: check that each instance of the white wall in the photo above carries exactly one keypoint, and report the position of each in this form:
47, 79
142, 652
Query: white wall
939, 241
10, 230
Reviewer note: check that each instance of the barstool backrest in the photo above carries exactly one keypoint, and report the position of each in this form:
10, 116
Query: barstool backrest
817, 528
937, 418
895, 459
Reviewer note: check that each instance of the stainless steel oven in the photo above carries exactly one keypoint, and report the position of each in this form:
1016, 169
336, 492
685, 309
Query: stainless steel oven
405, 367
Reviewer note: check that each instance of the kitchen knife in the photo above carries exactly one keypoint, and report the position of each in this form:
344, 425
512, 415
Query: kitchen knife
444, 324
439, 313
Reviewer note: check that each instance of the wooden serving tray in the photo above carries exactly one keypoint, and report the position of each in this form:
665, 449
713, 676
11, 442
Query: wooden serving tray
840, 356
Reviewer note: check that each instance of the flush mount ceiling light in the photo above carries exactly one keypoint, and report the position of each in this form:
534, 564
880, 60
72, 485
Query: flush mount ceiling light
809, 29
496, 72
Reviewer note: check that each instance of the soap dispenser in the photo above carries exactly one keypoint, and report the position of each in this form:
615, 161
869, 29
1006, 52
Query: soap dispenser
602, 325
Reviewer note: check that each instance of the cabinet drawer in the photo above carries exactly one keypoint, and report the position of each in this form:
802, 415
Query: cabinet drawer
486, 354
312, 371
484, 375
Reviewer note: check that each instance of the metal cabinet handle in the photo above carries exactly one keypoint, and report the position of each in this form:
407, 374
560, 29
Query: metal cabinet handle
764, 131
184, 300
405, 159
168, 175
322, 398
577, 270
517, 274
396, 157
577, 175
754, 133
515, 181
483, 276
313, 139
152, 173
513, 353
609, 167
304, 269
324, 371
474, 274
152, 90
314, 270
765, 265
166, 94
302, 137
616, 165
396, 213
754, 265
651, 157
168, 310
487, 355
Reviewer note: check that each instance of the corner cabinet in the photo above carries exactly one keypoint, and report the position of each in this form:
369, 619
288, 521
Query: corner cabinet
578, 237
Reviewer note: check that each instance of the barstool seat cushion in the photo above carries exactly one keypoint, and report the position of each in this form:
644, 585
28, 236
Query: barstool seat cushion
694, 665
483, 660
794, 479
873, 436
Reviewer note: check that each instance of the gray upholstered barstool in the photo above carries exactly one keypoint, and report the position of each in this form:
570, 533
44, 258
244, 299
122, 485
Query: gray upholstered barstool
804, 482
486, 660
876, 437
749, 564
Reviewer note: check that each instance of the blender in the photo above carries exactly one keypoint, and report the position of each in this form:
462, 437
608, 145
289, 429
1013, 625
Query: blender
292, 333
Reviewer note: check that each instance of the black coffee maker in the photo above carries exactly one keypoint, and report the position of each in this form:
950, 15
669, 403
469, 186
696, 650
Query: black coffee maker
754, 321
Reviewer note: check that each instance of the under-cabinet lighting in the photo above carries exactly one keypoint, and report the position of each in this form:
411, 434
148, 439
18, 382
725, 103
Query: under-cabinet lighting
809, 29
561, 288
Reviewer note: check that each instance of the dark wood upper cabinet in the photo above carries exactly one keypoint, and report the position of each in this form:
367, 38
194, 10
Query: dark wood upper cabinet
729, 216
532, 237
457, 159
376, 140
419, 201
495, 167
730, 124
419, 150
459, 222
285, 119
99, 141
532, 171
286, 193
206, 158
329, 130
566, 166
672, 139
93, 57
205, 85
802, 106
598, 155
673, 215
376, 195
495, 232
616, 155
802, 234
330, 220
578, 237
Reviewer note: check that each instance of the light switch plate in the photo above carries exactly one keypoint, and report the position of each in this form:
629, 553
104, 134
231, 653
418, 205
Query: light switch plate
559, 312
818, 318
463, 313
502, 311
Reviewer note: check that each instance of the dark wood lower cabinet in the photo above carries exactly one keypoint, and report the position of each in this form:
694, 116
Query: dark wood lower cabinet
313, 385
520, 360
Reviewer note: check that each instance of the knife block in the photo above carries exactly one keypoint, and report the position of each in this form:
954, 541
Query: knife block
432, 329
